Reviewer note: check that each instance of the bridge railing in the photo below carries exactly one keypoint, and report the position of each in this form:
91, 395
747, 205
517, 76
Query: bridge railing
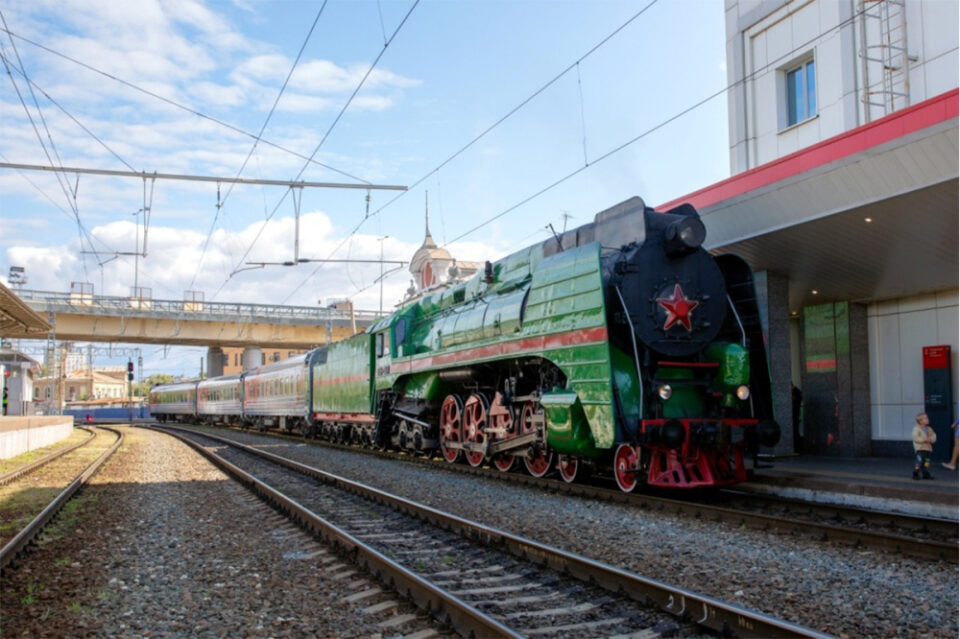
193, 309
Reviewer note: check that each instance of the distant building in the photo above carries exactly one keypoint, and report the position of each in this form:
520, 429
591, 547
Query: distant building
433, 266
83, 385
73, 360
233, 357
17, 374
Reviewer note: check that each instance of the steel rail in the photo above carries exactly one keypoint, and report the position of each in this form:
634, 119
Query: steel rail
704, 610
465, 618
19, 543
6, 478
873, 516
902, 544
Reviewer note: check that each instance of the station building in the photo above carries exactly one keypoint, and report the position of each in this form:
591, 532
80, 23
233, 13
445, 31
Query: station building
844, 155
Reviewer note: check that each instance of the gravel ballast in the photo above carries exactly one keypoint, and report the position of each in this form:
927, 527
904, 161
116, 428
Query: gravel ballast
164, 544
836, 589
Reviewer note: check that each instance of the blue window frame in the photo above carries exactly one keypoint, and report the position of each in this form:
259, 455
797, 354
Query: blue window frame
801, 92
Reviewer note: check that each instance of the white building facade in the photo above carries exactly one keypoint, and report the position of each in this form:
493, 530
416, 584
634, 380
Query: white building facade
844, 155
803, 71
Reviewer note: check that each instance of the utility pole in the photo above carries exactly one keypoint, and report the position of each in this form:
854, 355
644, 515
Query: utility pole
136, 260
381, 272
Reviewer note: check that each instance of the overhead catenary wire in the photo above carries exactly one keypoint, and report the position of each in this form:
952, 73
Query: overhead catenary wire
614, 150
326, 135
76, 121
222, 202
91, 238
657, 127
482, 134
182, 107
522, 103
61, 180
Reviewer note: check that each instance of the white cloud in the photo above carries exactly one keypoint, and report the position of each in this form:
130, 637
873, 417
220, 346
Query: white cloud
174, 253
313, 78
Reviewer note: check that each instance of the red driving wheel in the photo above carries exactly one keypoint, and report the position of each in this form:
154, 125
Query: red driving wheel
475, 413
625, 465
538, 460
451, 417
568, 465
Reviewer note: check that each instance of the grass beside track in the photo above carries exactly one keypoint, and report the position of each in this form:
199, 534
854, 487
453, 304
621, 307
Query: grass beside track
13, 463
25, 498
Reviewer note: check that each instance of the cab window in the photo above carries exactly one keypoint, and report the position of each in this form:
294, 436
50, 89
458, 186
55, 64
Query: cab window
383, 345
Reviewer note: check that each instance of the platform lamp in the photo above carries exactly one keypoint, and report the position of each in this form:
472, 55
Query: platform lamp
17, 278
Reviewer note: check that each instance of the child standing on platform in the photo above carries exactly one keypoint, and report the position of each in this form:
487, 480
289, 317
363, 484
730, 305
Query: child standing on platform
923, 440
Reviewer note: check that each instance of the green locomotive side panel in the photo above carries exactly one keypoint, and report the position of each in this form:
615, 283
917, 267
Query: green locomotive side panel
342, 384
566, 293
568, 430
551, 308
628, 390
588, 371
425, 386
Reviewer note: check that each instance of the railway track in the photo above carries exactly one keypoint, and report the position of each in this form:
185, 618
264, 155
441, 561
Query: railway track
924, 529
482, 581
902, 534
16, 473
22, 539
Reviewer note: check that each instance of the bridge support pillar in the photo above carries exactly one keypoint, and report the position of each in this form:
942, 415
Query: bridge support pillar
214, 361
252, 357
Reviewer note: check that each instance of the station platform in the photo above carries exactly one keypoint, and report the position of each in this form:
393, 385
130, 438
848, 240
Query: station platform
880, 483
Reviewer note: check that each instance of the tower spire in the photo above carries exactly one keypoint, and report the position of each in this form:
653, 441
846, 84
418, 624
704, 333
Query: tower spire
428, 239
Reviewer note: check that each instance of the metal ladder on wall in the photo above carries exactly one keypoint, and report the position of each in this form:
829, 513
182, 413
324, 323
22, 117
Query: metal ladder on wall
884, 58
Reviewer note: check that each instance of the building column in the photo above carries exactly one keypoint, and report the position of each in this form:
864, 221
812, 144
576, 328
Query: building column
214, 361
774, 306
252, 357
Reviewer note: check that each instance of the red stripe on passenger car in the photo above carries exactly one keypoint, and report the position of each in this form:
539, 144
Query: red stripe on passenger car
341, 380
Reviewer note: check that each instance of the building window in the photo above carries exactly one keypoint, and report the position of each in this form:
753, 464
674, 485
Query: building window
801, 92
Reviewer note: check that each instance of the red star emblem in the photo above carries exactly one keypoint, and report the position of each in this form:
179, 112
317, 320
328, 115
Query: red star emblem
678, 308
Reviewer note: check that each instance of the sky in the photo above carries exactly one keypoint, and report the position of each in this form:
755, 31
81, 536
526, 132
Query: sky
508, 116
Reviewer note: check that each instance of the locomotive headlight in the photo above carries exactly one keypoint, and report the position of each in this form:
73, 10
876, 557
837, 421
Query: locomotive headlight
665, 392
684, 235
743, 393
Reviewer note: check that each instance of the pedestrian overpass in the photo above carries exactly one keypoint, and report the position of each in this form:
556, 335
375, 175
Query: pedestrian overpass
84, 317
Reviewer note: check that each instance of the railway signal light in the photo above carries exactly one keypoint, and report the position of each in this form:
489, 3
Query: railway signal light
129, 371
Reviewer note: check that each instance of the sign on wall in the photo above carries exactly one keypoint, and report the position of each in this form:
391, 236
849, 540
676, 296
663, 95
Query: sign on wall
938, 397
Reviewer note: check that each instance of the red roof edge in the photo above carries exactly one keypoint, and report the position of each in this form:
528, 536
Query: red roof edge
903, 122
